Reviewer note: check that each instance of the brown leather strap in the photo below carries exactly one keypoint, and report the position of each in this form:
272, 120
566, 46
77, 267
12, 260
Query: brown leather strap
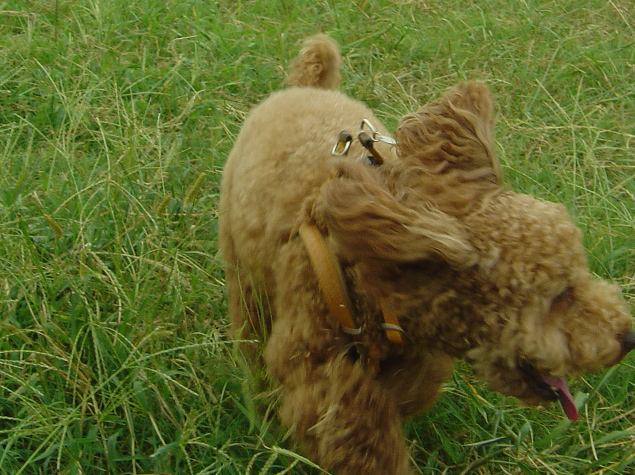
329, 275
331, 281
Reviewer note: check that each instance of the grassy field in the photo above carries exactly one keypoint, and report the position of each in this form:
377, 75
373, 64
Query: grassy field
115, 120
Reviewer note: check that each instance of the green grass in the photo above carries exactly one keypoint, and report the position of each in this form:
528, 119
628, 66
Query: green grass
115, 119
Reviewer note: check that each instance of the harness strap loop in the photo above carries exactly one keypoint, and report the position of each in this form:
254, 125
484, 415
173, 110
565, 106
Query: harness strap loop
394, 332
367, 142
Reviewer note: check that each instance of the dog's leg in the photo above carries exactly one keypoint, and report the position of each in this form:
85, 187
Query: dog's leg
239, 301
343, 417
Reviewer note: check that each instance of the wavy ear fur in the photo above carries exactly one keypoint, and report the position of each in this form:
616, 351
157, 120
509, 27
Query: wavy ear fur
366, 221
451, 141
453, 132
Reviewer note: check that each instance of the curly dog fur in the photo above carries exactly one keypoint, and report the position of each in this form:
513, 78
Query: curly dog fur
470, 268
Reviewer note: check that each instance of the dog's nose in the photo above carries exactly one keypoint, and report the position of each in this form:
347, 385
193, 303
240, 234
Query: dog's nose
628, 343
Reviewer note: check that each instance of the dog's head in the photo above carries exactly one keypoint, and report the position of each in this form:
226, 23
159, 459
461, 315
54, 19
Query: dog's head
548, 317
498, 276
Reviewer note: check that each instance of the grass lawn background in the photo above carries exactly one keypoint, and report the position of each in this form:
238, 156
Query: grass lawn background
115, 120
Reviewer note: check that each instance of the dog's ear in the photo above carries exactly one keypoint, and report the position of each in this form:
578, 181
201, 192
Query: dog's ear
452, 140
366, 221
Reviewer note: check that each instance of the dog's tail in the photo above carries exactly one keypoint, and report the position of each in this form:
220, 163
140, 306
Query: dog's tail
317, 65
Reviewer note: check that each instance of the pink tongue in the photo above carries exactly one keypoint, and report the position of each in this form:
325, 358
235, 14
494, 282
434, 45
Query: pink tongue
566, 400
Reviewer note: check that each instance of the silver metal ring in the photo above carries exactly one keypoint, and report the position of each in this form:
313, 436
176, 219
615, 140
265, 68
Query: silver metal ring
391, 326
352, 331
376, 136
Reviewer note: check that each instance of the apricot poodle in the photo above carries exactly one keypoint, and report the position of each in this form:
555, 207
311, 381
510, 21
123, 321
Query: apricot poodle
365, 266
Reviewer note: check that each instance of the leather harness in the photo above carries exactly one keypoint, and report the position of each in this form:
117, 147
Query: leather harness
326, 266
331, 282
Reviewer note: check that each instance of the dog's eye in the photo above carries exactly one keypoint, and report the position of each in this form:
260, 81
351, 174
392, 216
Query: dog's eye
563, 300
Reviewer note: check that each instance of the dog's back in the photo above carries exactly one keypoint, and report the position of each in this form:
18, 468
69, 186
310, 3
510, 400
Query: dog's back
281, 156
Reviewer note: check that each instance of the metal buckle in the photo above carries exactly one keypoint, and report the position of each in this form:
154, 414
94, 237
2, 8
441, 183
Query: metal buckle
374, 135
340, 149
